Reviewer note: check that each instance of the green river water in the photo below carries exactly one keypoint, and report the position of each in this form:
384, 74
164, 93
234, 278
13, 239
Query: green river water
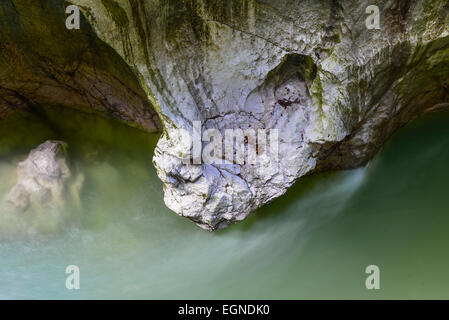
315, 242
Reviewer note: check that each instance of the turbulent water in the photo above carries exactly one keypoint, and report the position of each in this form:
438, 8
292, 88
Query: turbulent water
315, 242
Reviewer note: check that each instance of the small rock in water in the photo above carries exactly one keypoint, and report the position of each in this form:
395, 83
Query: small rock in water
41, 177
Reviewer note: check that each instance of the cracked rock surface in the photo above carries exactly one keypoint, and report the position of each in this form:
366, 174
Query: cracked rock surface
334, 89
43, 64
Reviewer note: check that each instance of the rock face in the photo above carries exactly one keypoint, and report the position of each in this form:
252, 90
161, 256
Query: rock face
335, 89
41, 178
43, 64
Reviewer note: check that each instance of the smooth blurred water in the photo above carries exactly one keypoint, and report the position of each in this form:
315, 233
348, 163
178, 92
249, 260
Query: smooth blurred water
315, 242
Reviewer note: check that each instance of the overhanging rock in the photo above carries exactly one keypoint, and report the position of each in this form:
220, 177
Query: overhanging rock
335, 89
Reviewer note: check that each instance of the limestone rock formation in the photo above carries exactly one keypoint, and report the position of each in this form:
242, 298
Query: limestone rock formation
335, 89
41, 178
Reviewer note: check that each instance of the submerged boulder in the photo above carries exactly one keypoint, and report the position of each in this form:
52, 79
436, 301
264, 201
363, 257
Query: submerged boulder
41, 178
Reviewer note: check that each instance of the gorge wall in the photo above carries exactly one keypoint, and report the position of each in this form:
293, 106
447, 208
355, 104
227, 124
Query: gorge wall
334, 89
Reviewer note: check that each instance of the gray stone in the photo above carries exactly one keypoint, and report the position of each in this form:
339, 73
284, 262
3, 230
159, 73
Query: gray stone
41, 178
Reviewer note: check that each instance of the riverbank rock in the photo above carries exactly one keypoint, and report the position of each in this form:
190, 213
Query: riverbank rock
41, 178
